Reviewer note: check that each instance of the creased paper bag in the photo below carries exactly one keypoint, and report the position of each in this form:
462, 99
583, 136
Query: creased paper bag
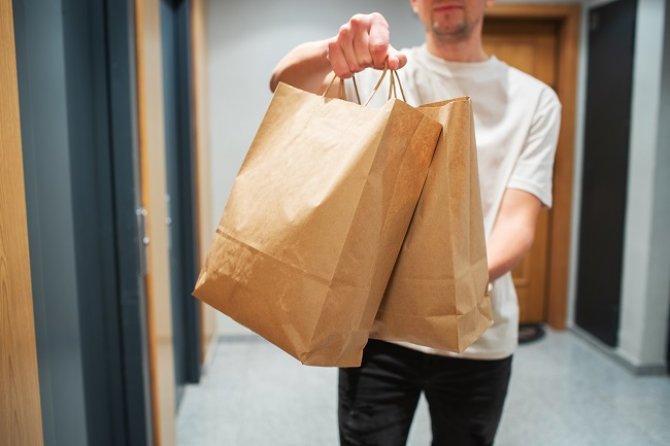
315, 220
437, 295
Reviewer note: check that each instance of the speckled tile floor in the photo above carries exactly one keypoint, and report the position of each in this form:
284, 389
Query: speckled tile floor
563, 393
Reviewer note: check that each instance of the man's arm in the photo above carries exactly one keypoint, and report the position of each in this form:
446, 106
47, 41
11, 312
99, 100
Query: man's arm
361, 43
305, 67
513, 232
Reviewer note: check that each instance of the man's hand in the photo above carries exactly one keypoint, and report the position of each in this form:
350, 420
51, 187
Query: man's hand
361, 43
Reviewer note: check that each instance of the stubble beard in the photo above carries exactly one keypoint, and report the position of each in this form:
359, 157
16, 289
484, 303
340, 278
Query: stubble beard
452, 32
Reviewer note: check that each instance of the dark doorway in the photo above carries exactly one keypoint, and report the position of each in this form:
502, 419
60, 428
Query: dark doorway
604, 184
180, 191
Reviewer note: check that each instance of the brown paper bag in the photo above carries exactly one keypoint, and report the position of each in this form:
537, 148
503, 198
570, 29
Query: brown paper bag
315, 221
437, 295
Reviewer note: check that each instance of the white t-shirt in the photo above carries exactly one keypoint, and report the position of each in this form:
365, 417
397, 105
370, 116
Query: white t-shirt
517, 120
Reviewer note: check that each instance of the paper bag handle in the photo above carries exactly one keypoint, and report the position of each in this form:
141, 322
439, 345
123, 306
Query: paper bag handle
393, 92
343, 93
395, 78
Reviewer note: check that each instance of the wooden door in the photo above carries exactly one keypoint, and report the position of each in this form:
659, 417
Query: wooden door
20, 413
531, 46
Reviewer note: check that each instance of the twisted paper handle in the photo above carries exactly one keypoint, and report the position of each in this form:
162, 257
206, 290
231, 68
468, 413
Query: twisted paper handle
343, 93
394, 86
392, 93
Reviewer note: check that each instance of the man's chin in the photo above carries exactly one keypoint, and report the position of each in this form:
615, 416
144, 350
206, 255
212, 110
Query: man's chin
450, 32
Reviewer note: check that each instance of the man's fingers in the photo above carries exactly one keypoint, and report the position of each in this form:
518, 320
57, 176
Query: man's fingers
361, 43
396, 59
379, 39
360, 26
337, 60
346, 38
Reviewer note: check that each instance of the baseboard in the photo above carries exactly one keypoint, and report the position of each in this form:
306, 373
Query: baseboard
638, 370
213, 344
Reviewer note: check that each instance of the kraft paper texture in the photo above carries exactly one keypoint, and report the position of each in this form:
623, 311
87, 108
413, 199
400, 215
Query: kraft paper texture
437, 295
315, 221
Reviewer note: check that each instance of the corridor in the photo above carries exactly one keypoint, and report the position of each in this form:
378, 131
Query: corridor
123, 126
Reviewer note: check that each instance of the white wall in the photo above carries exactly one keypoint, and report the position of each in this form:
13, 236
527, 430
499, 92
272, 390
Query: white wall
646, 272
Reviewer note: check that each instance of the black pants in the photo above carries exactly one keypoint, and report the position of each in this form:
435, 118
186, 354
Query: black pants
377, 400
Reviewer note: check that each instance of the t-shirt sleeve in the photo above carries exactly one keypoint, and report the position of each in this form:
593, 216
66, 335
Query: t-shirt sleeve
533, 170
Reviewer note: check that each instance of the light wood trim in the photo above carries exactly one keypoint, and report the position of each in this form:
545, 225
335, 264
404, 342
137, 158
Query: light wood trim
20, 412
558, 11
153, 189
203, 197
560, 236
568, 17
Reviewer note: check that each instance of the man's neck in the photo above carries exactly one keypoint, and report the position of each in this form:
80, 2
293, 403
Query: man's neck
457, 50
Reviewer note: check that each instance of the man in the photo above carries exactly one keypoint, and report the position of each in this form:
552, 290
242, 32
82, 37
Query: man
516, 128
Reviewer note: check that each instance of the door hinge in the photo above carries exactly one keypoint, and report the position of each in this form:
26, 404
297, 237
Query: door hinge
142, 239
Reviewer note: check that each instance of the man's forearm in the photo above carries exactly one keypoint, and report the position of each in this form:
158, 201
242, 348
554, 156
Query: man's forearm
506, 248
304, 67
513, 232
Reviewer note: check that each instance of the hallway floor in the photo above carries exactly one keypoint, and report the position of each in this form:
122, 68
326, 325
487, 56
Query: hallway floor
563, 393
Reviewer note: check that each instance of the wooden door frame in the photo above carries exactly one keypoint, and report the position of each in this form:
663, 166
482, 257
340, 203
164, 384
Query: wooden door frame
201, 174
153, 177
568, 19
153, 186
20, 410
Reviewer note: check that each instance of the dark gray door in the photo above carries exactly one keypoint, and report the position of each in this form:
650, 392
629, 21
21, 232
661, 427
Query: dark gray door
76, 71
604, 184
179, 165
